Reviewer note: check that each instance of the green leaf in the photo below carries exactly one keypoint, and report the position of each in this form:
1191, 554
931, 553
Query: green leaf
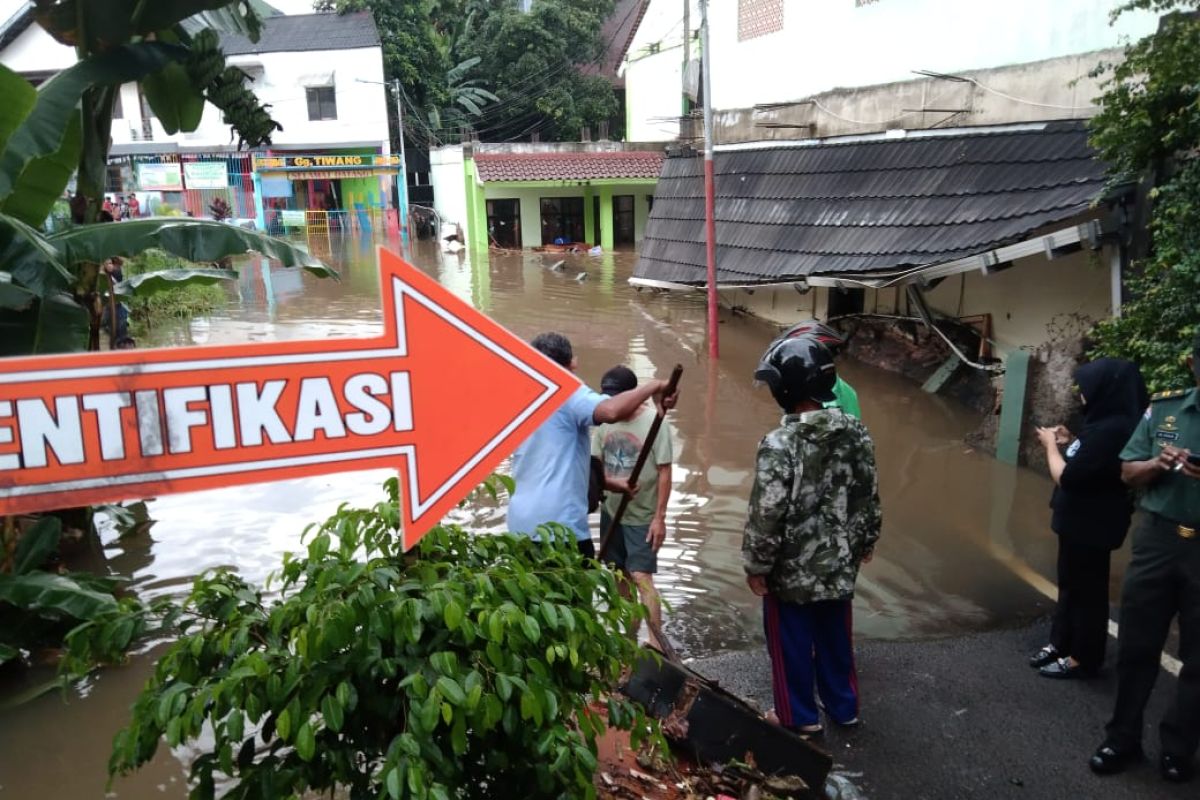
453, 615
447, 712
176, 101
43, 131
451, 690
331, 710
8, 653
112, 21
44, 591
37, 544
393, 783
504, 687
306, 742
150, 283
283, 724
235, 724
199, 241
30, 259
54, 324
19, 98
531, 628
43, 179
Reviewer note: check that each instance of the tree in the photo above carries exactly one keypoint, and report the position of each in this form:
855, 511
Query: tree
1149, 127
474, 667
52, 286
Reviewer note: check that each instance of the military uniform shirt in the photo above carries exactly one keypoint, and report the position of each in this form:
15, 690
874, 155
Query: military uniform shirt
1173, 418
814, 508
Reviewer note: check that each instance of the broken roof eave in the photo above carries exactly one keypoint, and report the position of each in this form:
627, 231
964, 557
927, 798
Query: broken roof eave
1089, 233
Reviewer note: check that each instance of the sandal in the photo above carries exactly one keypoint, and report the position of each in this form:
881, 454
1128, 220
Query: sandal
1047, 655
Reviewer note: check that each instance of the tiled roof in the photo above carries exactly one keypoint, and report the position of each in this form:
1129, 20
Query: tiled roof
617, 35
820, 209
568, 166
299, 32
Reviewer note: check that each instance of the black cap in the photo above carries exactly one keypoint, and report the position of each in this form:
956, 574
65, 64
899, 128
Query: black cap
618, 379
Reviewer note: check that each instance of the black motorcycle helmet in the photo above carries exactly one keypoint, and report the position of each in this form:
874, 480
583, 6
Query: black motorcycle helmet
798, 369
811, 328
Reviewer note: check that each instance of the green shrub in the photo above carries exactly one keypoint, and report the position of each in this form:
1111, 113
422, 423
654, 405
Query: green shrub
183, 302
476, 666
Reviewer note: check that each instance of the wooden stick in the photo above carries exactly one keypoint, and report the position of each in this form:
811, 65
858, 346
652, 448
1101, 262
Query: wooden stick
606, 537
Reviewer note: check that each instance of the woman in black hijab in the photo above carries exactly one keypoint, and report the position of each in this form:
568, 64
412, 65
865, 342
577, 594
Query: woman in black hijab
1091, 513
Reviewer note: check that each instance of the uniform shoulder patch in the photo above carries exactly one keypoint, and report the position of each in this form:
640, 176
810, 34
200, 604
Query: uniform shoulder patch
1169, 395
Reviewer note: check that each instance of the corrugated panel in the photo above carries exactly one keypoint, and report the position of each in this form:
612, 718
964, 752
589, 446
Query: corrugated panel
789, 212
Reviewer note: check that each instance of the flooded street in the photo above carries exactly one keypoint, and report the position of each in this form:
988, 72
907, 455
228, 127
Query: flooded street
959, 528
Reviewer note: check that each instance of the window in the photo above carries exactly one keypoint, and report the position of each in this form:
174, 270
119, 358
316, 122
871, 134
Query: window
758, 18
322, 102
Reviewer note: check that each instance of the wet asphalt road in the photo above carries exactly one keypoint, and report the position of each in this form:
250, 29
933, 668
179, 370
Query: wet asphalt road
967, 718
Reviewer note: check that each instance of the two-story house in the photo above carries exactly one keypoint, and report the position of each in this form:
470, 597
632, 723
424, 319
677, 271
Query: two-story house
322, 77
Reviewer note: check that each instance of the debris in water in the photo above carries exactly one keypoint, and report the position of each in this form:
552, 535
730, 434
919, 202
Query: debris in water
581, 277
557, 266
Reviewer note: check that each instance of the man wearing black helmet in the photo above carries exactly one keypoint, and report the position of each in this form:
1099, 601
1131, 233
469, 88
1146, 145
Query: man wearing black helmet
845, 397
814, 518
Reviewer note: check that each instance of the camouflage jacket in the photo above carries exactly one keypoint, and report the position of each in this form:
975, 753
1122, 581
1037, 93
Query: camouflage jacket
814, 508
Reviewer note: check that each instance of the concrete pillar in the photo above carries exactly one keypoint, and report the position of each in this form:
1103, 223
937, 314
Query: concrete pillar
589, 218
477, 233
260, 215
606, 217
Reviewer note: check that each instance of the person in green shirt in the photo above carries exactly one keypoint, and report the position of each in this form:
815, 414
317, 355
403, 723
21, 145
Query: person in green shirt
1162, 582
845, 397
634, 546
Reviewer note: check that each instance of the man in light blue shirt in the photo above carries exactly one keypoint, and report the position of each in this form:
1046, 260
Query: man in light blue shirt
551, 468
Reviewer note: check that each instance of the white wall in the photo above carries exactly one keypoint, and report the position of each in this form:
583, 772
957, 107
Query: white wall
841, 43
37, 51
447, 176
654, 80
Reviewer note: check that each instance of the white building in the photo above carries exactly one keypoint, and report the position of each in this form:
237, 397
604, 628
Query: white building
322, 76
657, 90
865, 146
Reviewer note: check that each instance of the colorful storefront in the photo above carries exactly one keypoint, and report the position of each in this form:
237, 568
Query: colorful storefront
341, 191
185, 183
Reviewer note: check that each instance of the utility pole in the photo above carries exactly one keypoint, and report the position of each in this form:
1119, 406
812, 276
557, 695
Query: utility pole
710, 222
402, 189
687, 51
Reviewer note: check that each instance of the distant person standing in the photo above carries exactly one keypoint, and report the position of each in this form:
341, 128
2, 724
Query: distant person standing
634, 546
845, 397
814, 518
1162, 583
135, 207
1092, 509
552, 467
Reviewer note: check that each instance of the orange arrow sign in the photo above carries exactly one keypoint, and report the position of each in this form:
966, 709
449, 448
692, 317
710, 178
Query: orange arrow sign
443, 395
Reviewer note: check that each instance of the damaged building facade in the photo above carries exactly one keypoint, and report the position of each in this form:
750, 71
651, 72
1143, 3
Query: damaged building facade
937, 169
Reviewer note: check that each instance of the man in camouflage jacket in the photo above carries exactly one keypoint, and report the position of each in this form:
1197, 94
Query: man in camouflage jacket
814, 518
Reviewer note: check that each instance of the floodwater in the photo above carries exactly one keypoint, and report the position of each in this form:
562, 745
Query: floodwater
959, 531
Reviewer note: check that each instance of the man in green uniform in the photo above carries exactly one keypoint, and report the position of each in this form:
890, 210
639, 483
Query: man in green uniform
1162, 581
844, 395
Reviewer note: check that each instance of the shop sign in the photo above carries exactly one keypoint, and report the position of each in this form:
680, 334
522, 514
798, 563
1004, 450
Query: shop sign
159, 177
268, 163
205, 175
292, 217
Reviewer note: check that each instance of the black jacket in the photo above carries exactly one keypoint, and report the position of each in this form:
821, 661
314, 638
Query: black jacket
1091, 504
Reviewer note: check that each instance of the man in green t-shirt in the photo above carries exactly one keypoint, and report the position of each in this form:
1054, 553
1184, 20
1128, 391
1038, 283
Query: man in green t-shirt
634, 545
845, 397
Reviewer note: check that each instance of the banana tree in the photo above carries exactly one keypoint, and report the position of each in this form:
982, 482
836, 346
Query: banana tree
51, 285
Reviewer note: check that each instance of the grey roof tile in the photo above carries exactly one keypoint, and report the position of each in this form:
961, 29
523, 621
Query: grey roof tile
301, 32
862, 206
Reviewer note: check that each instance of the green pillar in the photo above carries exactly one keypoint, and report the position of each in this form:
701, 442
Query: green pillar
1016, 377
477, 233
606, 217
589, 217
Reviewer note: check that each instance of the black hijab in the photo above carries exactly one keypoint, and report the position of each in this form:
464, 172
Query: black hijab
1113, 392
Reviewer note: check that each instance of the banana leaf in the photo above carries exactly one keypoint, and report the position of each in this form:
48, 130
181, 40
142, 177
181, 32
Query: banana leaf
46, 591
46, 131
149, 283
37, 544
177, 103
32, 262
199, 241
7, 653
51, 324
19, 97
111, 22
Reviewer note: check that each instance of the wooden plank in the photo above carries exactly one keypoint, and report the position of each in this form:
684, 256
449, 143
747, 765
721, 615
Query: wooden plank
721, 727
938, 379
1012, 410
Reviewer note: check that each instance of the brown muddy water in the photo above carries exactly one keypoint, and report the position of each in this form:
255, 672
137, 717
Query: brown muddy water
959, 528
